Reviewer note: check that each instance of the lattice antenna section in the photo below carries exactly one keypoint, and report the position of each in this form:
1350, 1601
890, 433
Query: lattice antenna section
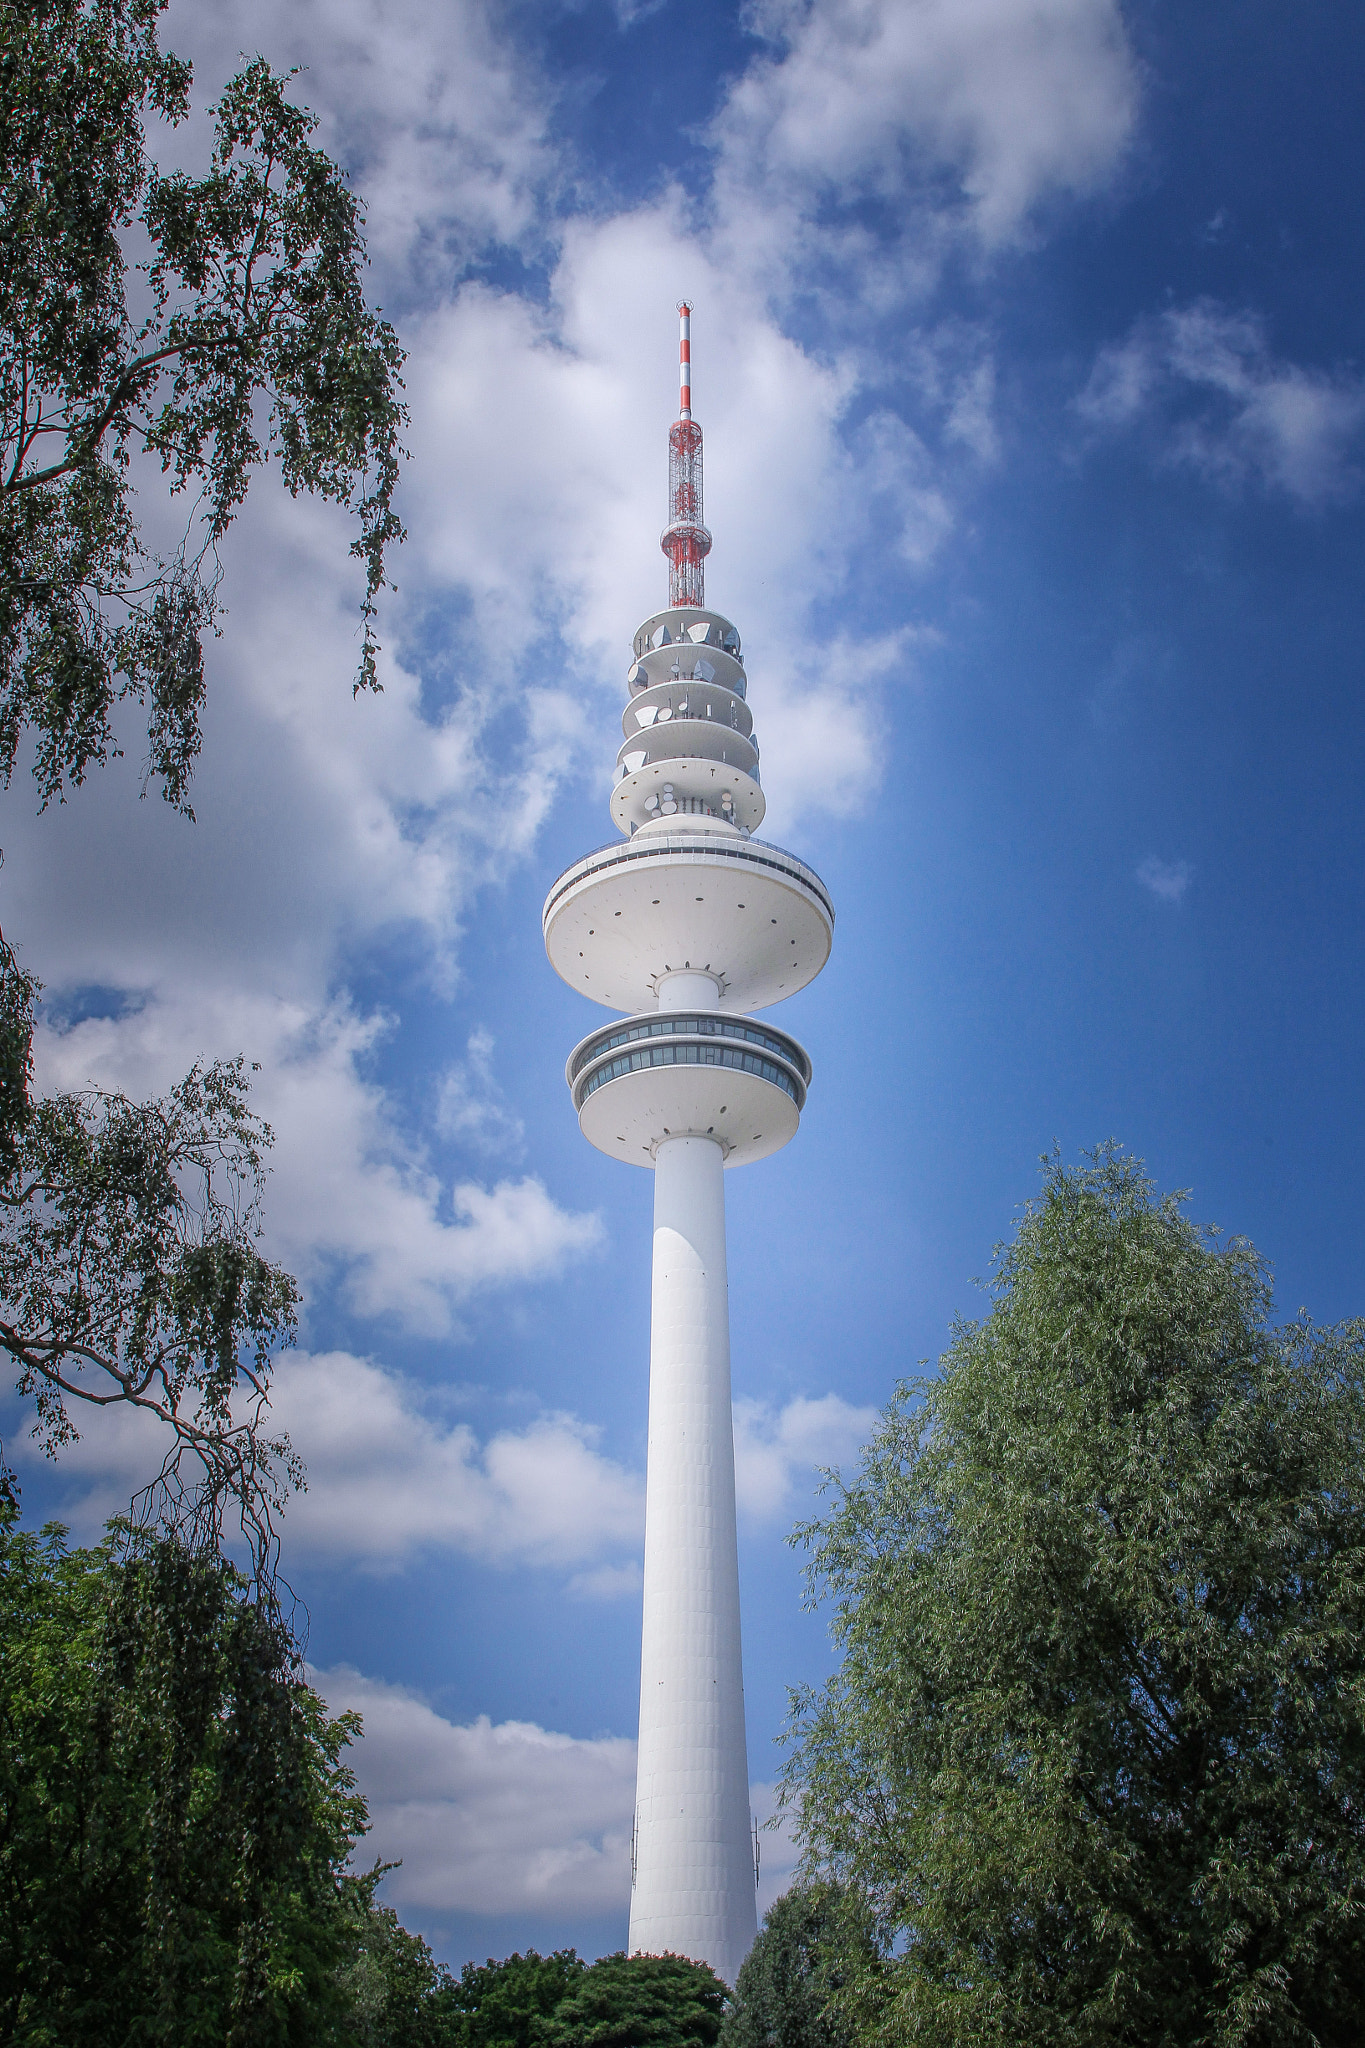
685, 539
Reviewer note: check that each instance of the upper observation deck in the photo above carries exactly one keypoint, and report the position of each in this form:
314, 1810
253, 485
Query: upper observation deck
689, 896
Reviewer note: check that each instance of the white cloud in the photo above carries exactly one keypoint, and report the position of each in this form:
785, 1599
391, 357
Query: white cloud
438, 113
778, 1452
962, 110
389, 1477
609, 1582
1206, 382
1167, 879
392, 1477
896, 466
470, 1106
489, 1818
505, 1817
971, 412
349, 1195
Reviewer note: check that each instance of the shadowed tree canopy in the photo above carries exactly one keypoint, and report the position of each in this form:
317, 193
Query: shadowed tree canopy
500, 2005
1096, 1747
176, 1819
199, 326
176, 1812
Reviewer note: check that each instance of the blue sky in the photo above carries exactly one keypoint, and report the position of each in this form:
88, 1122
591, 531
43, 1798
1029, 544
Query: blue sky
1028, 345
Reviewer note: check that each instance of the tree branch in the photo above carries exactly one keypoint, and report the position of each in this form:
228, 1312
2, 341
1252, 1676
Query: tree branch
89, 436
255, 248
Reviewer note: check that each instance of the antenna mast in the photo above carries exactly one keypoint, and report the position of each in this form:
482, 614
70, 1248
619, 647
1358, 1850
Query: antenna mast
685, 540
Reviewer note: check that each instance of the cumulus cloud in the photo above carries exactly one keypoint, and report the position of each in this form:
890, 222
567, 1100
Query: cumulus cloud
388, 1477
471, 1107
440, 116
1205, 383
779, 1451
488, 1818
971, 111
1167, 879
391, 1476
506, 1817
350, 1196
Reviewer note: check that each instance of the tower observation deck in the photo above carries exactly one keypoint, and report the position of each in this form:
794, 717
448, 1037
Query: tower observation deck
684, 926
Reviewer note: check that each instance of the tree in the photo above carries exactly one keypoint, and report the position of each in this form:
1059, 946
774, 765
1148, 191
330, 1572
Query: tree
1096, 1748
130, 1274
501, 2005
395, 1994
175, 1811
638, 2002
129, 1268
815, 1941
246, 339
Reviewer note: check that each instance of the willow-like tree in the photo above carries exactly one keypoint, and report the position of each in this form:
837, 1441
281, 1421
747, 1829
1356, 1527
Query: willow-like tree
1096, 1746
179, 1818
177, 1809
240, 335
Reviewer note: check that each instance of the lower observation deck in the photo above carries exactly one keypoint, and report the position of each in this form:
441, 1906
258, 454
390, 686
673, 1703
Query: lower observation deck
684, 1074
709, 901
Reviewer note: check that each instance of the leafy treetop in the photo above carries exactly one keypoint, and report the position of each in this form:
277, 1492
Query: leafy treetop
1096, 1748
501, 2005
637, 2001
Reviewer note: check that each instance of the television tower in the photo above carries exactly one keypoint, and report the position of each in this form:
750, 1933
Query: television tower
686, 925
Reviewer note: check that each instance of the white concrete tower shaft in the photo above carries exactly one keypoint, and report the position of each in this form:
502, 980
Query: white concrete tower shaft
694, 1889
687, 926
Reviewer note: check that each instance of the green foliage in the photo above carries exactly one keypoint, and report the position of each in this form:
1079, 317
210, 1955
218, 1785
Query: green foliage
394, 1993
638, 2002
246, 339
129, 1272
18, 994
558, 2001
1096, 1749
816, 1942
501, 2005
174, 1808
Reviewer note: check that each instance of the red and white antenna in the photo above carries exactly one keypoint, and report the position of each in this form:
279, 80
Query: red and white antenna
685, 540
684, 361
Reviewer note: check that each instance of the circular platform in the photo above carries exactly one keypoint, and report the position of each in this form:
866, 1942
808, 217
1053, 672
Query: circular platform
684, 1075
752, 916
685, 762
